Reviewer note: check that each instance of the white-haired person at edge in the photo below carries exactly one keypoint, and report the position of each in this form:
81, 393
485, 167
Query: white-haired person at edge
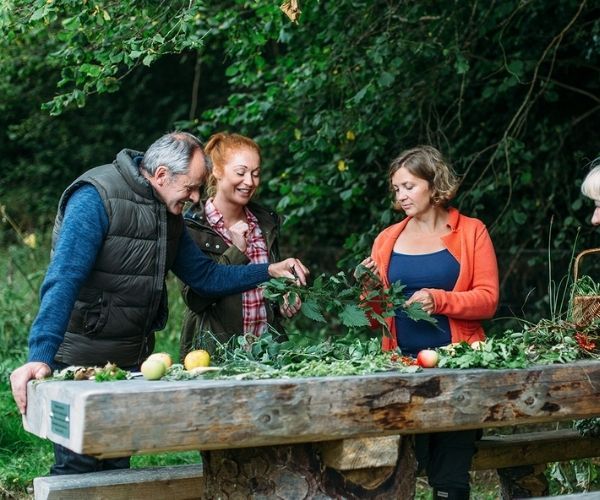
591, 189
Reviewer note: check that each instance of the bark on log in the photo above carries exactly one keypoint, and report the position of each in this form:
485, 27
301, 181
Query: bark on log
527, 481
295, 472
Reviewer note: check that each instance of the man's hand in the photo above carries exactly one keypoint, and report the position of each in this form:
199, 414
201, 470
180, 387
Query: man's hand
289, 268
22, 375
239, 235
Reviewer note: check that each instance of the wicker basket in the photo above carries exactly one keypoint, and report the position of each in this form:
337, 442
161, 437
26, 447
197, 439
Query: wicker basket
586, 308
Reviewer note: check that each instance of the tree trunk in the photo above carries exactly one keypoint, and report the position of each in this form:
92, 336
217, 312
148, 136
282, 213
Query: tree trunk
296, 472
523, 482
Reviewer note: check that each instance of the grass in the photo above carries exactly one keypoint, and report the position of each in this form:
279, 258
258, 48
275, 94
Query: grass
24, 456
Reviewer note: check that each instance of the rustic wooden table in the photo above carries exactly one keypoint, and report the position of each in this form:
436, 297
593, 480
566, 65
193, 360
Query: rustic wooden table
262, 423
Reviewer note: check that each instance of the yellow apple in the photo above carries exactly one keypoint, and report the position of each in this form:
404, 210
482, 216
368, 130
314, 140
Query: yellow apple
165, 357
196, 358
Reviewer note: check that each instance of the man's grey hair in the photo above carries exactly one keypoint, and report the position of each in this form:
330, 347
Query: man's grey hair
174, 151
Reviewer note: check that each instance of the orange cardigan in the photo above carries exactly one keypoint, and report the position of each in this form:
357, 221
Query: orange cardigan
476, 292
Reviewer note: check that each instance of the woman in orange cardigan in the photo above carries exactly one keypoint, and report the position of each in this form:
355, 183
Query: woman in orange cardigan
447, 263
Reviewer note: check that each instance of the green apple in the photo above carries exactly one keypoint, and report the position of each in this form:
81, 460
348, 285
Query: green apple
153, 369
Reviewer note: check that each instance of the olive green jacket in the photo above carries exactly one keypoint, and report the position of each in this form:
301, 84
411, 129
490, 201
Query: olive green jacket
209, 319
123, 301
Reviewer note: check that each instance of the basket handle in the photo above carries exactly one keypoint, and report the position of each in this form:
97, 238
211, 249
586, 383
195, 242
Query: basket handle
578, 258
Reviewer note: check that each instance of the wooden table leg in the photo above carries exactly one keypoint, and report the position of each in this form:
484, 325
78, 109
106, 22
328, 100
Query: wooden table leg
296, 472
526, 481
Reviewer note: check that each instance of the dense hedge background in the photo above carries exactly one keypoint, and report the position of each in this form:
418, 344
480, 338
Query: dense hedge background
509, 91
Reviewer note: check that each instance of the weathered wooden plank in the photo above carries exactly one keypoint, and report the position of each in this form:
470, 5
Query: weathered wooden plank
496, 452
135, 416
180, 482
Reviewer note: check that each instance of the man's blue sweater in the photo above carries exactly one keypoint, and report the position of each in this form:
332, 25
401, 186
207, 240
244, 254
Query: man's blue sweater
81, 237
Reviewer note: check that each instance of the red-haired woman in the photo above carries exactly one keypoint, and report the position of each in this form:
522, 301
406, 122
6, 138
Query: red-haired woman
230, 228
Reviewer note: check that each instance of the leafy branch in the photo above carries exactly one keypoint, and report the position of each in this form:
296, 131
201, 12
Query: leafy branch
345, 300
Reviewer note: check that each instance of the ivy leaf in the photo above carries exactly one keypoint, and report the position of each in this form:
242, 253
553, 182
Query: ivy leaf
386, 79
92, 70
461, 64
39, 14
148, 59
310, 309
353, 316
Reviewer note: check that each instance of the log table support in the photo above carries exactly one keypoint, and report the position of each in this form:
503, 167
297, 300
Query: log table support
525, 481
296, 472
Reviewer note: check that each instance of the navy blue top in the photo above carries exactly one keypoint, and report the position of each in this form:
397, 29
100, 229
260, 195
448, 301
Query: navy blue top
431, 270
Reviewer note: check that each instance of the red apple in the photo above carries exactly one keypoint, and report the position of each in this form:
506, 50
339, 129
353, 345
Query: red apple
427, 358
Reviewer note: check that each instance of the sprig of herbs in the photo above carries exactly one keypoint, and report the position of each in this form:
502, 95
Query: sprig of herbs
341, 298
586, 286
494, 353
107, 373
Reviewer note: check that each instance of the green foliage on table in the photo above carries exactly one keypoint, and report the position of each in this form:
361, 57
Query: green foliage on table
268, 356
547, 342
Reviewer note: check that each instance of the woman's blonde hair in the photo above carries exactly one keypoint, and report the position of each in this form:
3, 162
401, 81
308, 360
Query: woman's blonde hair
427, 163
218, 148
591, 183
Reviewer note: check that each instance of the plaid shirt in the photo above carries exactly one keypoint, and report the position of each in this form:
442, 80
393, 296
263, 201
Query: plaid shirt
253, 302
